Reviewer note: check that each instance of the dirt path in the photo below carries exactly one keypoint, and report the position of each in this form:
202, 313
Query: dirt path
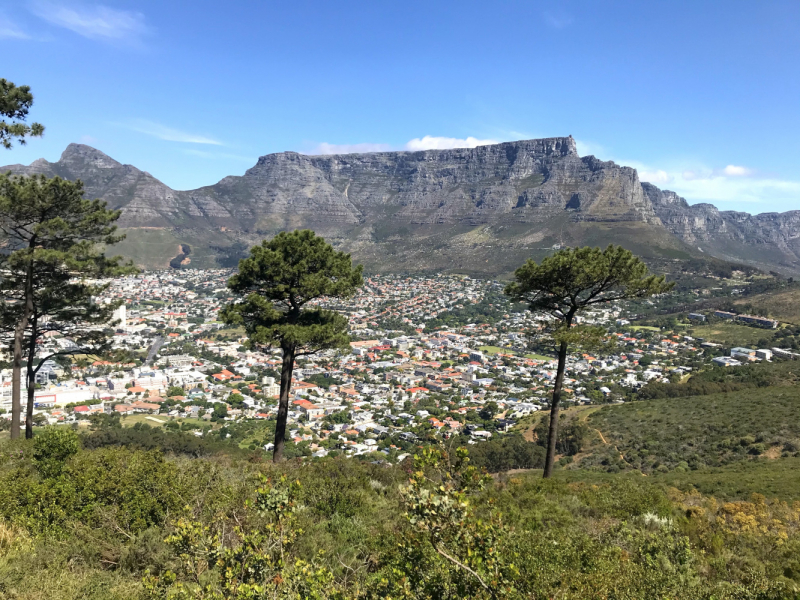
600, 433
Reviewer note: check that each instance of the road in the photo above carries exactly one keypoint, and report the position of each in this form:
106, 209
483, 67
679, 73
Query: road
151, 355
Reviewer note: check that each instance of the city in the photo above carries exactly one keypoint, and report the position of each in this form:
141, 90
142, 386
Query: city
405, 379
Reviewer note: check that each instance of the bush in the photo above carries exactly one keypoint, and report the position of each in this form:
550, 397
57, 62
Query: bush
507, 452
52, 448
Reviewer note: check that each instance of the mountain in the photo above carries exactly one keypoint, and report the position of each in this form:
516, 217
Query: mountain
767, 238
477, 210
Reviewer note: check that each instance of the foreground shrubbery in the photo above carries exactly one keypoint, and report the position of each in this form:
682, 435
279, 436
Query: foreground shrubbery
118, 522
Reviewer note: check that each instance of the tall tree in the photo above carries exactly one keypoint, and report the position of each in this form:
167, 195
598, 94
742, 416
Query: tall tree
54, 244
15, 101
281, 277
570, 281
66, 307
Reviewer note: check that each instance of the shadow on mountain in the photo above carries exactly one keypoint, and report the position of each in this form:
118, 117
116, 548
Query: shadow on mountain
182, 259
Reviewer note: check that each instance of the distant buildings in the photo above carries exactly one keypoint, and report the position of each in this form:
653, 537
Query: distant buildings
760, 321
752, 319
725, 361
743, 354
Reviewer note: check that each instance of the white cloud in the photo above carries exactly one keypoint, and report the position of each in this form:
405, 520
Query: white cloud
586, 148
167, 133
779, 193
325, 148
11, 31
430, 142
657, 177
727, 188
734, 171
94, 22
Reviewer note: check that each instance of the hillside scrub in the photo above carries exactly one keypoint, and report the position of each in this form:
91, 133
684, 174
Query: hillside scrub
120, 522
698, 431
725, 379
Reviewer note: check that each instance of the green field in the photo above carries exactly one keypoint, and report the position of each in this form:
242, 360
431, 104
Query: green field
499, 350
733, 334
778, 478
643, 328
774, 478
495, 350
131, 420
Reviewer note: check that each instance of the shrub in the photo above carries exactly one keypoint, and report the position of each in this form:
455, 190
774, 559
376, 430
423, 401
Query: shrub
52, 448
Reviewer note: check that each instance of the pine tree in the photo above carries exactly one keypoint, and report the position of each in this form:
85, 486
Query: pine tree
570, 281
280, 278
53, 241
15, 101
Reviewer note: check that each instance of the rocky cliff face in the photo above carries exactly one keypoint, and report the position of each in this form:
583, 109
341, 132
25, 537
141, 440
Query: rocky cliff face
144, 200
525, 182
729, 234
433, 208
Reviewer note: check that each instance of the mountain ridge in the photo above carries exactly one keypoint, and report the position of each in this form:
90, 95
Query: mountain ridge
389, 208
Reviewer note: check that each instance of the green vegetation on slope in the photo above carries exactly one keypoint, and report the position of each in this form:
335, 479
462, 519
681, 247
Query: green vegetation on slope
783, 305
734, 334
125, 523
697, 431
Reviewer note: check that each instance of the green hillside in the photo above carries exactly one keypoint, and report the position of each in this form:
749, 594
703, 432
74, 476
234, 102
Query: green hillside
116, 522
690, 425
783, 305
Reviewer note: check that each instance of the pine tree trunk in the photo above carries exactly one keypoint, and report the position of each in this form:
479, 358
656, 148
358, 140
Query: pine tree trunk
31, 378
16, 376
552, 434
283, 403
16, 372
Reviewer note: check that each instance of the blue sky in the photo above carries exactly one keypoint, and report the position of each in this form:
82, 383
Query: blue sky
702, 97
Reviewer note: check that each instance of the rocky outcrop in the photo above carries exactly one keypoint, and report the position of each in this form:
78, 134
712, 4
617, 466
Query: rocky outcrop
144, 200
523, 189
773, 236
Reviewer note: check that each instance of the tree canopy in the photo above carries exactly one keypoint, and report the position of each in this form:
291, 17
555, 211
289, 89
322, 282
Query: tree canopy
573, 279
279, 279
15, 102
54, 240
570, 281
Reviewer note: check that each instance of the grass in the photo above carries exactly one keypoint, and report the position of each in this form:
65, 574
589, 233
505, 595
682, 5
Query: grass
643, 328
697, 431
131, 420
228, 332
732, 334
499, 350
778, 478
495, 350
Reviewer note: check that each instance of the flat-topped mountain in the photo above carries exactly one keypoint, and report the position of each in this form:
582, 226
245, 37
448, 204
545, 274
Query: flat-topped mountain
479, 210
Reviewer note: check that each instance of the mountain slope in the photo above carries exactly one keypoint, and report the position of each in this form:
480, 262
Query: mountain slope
479, 210
767, 239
